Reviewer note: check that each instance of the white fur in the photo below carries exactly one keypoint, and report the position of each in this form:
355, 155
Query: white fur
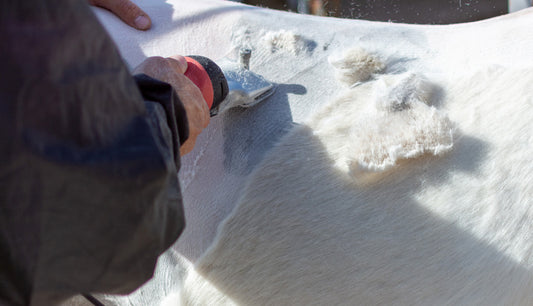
355, 65
453, 229
284, 40
372, 126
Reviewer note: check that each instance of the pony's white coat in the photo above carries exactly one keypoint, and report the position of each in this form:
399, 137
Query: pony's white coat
451, 229
355, 65
430, 207
284, 41
372, 126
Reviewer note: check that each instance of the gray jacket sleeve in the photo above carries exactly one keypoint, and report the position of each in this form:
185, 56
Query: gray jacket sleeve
89, 194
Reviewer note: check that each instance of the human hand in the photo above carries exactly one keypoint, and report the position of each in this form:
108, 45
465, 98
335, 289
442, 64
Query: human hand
126, 10
171, 70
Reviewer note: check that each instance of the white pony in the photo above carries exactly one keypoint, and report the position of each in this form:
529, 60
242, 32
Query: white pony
408, 182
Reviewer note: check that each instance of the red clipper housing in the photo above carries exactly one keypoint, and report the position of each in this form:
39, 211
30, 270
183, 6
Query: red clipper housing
209, 78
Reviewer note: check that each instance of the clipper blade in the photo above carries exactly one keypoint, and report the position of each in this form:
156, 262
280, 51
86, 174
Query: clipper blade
246, 88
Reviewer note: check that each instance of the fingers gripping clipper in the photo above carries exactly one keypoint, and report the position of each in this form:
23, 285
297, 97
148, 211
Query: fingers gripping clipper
229, 85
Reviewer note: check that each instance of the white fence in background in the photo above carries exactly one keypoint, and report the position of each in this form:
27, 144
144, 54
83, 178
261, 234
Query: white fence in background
516, 5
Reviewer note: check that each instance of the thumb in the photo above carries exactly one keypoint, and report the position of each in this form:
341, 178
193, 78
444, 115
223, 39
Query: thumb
178, 63
128, 11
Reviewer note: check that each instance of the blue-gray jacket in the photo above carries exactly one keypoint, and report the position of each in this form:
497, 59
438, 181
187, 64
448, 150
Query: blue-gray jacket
89, 194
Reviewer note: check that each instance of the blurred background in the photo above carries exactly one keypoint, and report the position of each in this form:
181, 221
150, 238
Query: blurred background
404, 11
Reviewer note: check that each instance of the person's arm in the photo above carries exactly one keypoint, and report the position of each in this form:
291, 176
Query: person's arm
89, 195
171, 70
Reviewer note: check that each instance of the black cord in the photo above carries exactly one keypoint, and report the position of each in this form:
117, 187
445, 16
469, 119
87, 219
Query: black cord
92, 299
